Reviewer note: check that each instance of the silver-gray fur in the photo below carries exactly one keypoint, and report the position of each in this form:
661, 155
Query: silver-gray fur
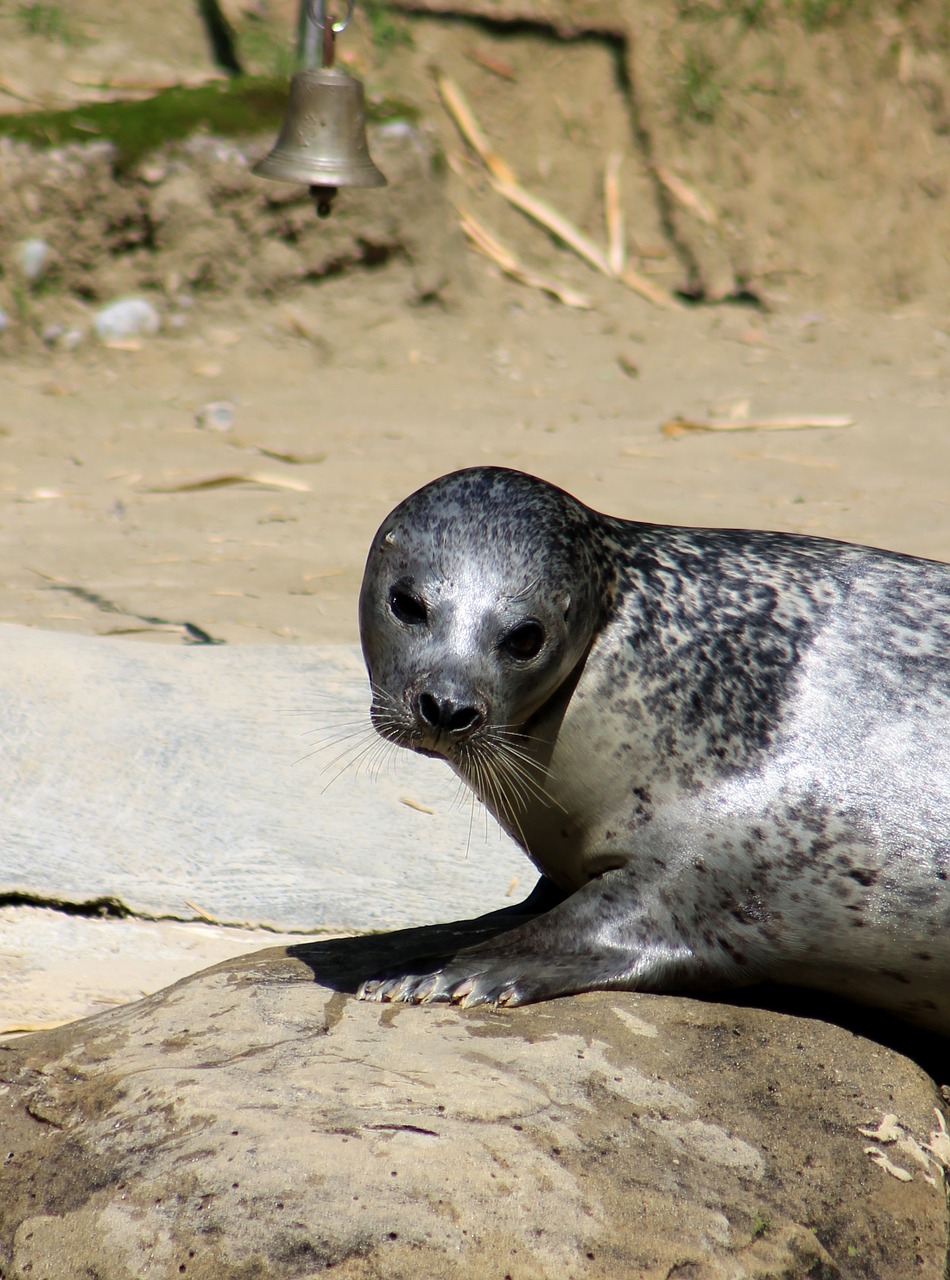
731, 748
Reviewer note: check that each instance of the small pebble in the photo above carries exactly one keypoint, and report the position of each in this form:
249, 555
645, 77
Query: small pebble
32, 257
126, 318
153, 174
4, 321
216, 415
62, 337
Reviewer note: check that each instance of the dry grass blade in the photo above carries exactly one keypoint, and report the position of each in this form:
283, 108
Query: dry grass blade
291, 458
502, 256
687, 426
414, 804
690, 200
503, 181
490, 63
554, 222
227, 479
506, 184
613, 215
654, 293
471, 131
11, 92
135, 84
24, 1028
200, 912
489, 244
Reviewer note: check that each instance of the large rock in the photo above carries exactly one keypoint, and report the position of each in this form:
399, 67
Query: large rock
251, 1122
192, 783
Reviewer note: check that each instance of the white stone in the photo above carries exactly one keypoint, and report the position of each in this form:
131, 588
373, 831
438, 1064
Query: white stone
126, 318
32, 257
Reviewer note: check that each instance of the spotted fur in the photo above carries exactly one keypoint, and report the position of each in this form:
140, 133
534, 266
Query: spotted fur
732, 749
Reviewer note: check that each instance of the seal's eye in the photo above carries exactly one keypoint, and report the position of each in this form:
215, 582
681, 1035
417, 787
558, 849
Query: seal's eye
407, 608
524, 641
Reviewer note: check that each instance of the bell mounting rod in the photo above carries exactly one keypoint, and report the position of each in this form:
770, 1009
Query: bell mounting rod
316, 35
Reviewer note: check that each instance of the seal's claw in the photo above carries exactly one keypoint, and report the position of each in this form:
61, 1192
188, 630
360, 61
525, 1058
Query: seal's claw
462, 991
474, 997
426, 990
405, 988
455, 984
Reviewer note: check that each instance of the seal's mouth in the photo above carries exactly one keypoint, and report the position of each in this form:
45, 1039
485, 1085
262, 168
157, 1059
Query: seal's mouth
409, 736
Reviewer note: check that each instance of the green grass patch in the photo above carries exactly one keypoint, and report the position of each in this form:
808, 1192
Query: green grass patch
263, 51
228, 108
815, 15
387, 30
700, 89
50, 21
750, 13
812, 15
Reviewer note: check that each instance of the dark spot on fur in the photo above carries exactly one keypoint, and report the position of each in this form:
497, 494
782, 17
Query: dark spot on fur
864, 875
895, 976
736, 956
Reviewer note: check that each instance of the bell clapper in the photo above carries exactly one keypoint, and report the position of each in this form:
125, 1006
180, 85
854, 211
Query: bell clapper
323, 199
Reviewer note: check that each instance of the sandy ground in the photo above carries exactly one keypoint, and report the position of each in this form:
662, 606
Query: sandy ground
383, 397
330, 431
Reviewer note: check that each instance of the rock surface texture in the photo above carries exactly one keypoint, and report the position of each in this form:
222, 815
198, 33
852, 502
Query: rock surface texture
164, 778
256, 1121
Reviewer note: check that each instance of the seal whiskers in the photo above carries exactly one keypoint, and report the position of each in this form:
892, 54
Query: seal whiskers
361, 742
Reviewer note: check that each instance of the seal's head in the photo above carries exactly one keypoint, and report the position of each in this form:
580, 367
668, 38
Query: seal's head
481, 595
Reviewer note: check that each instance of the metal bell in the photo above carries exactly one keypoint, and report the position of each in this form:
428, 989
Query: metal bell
322, 142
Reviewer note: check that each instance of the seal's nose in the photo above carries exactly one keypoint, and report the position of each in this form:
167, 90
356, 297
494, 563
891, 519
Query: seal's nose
443, 715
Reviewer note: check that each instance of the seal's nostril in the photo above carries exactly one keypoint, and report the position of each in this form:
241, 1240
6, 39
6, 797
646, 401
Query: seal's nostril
445, 715
464, 718
429, 710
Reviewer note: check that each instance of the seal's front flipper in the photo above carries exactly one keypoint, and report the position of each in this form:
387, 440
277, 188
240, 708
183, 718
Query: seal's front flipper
592, 941
476, 977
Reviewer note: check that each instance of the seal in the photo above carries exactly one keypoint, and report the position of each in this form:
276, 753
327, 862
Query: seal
729, 750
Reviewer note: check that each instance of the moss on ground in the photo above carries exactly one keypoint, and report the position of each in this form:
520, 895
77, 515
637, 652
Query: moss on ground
228, 108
